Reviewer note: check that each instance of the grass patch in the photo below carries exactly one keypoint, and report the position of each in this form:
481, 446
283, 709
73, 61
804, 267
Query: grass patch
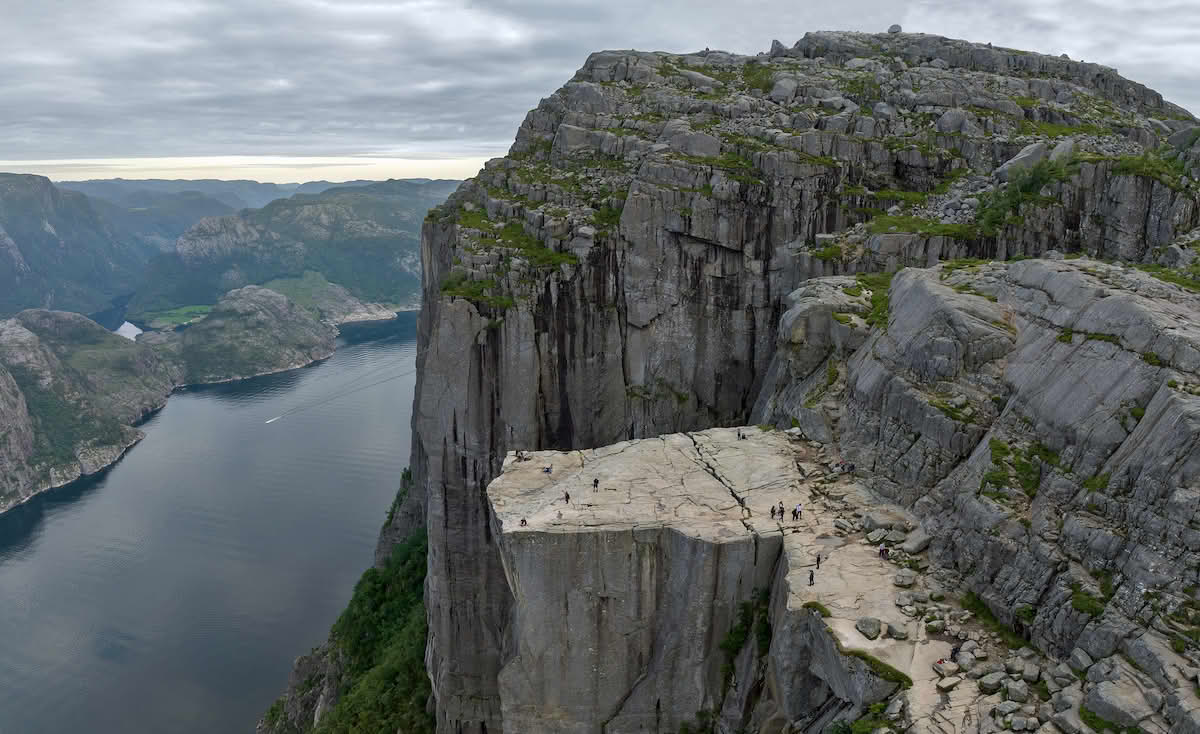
1153, 359
171, 318
880, 668
879, 284
841, 318
483, 292
1188, 279
818, 607
1100, 725
1149, 165
972, 603
908, 197
1081, 601
1002, 207
758, 76
1098, 482
832, 252
1000, 450
885, 223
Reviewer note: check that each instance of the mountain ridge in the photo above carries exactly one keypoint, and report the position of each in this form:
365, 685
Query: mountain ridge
624, 272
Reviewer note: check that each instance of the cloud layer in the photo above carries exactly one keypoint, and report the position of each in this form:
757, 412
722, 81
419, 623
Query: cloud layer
444, 78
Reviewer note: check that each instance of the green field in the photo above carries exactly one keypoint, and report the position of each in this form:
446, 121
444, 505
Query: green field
175, 316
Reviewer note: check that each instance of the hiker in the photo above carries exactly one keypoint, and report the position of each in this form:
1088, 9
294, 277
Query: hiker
882, 549
799, 511
524, 522
547, 469
595, 484
818, 561
887, 554
781, 510
810, 577
772, 512
567, 497
793, 514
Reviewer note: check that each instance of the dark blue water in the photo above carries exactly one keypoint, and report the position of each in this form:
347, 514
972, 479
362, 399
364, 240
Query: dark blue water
172, 593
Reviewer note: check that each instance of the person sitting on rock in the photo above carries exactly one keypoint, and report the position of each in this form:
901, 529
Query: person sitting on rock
524, 522
547, 469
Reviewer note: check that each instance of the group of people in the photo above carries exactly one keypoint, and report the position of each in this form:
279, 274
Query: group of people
797, 512
843, 467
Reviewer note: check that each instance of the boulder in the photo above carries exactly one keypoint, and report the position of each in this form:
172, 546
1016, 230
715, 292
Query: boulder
1030, 673
876, 535
1029, 157
894, 28
917, 541
1017, 690
1063, 151
1079, 660
894, 537
905, 578
948, 683
945, 667
1120, 704
991, 682
868, 626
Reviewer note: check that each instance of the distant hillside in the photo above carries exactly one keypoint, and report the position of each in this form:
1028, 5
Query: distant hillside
366, 238
157, 219
57, 250
234, 194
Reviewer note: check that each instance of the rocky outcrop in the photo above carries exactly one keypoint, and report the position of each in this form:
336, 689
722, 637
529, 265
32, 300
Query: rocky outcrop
69, 393
329, 302
623, 273
252, 331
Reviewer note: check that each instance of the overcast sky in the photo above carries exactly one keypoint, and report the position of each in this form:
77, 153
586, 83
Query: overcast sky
282, 90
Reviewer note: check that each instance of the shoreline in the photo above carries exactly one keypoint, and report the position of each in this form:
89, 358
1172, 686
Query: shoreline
23, 498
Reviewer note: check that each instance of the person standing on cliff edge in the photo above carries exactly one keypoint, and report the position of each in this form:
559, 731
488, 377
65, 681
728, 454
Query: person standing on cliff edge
810, 577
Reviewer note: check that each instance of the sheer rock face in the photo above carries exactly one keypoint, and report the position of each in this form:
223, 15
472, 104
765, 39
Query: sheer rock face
625, 594
622, 272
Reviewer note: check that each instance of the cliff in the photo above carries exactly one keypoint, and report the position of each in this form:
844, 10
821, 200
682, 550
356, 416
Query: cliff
625, 272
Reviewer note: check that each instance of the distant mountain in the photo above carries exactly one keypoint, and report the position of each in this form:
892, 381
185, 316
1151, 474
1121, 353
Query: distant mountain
156, 218
234, 194
365, 238
57, 250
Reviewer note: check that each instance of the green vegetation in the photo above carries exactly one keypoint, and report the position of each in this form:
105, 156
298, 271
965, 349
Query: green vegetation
171, 318
1101, 725
1002, 207
885, 223
758, 76
1098, 482
364, 238
1066, 336
606, 218
382, 637
879, 668
1150, 165
737, 167
852, 290
1153, 359
1095, 336
908, 197
818, 607
1082, 601
1000, 450
1189, 278
879, 285
841, 318
1056, 130
306, 291
62, 423
871, 720
972, 603
486, 291
752, 616
831, 252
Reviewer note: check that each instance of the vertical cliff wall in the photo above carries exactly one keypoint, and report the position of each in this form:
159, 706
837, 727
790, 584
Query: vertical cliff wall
622, 272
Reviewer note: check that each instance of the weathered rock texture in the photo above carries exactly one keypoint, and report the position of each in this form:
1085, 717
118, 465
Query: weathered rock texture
622, 273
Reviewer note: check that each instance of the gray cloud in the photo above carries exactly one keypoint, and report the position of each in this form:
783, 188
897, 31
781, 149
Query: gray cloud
444, 78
